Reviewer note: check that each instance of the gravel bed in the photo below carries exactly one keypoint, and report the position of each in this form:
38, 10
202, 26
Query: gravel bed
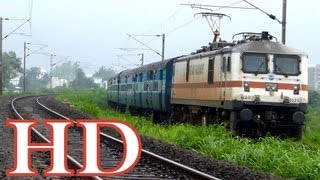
28, 109
6, 137
217, 168
111, 154
6, 144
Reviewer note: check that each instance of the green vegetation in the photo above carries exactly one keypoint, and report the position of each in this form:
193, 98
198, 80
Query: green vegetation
11, 69
66, 70
312, 134
104, 73
35, 80
82, 81
284, 158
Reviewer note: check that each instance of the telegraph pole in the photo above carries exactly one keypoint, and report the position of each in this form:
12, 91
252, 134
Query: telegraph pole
24, 65
163, 41
284, 21
1, 68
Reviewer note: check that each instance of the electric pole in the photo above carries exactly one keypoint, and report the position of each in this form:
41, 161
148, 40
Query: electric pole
163, 41
149, 48
1, 68
25, 55
284, 21
142, 59
51, 65
24, 66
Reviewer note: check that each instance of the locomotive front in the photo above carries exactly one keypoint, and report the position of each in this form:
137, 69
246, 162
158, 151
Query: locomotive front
274, 93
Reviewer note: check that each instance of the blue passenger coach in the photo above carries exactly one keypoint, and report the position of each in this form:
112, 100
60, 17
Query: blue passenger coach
143, 89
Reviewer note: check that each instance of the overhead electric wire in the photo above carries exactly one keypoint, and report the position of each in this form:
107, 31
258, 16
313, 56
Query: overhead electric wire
168, 18
178, 27
131, 49
144, 44
121, 57
16, 29
181, 26
30, 15
30, 8
37, 50
270, 15
16, 19
230, 5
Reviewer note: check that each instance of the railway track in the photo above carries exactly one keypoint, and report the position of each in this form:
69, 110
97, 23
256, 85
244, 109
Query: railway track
150, 166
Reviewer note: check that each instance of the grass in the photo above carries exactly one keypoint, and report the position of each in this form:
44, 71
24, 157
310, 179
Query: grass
285, 158
312, 132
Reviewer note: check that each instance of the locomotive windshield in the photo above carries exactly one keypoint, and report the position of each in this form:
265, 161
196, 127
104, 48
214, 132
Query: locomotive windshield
255, 63
286, 65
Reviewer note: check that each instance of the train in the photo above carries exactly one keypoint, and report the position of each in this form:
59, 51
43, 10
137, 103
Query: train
256, 85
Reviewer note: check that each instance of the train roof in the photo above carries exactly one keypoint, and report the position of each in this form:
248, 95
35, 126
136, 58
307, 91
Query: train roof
147, 67
266, 47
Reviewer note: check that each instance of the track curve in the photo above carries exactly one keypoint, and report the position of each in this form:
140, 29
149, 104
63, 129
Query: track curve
187, 171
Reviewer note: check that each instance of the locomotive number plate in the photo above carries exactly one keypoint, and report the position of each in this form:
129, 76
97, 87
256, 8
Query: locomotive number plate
247, 97
294, 100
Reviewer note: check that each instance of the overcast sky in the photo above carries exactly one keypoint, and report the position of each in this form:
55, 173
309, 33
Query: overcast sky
90, 31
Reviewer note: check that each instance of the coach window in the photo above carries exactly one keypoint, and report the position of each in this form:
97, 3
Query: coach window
155, 75
229, 64
210, 70
140, 77
161, 74
145, 87
134, 79
187, 71
223, 67
150, 75
155, 86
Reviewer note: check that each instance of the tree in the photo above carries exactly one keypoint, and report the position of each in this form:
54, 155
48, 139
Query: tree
82, 81
104, 73
35, 79
66, 71
11, 69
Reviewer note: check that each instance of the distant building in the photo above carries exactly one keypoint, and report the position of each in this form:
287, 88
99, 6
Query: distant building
100, 82
314, 77
15, 81
57, 82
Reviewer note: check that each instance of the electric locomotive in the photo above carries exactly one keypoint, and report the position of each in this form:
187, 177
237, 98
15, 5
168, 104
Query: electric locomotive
256, 84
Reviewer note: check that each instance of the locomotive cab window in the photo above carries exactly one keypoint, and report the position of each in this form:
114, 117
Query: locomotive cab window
255, 63
286, 65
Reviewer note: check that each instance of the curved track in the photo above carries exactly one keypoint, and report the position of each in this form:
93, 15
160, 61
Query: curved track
147, 162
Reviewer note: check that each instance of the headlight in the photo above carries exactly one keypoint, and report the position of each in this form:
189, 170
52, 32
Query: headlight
296, 88
246, 86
